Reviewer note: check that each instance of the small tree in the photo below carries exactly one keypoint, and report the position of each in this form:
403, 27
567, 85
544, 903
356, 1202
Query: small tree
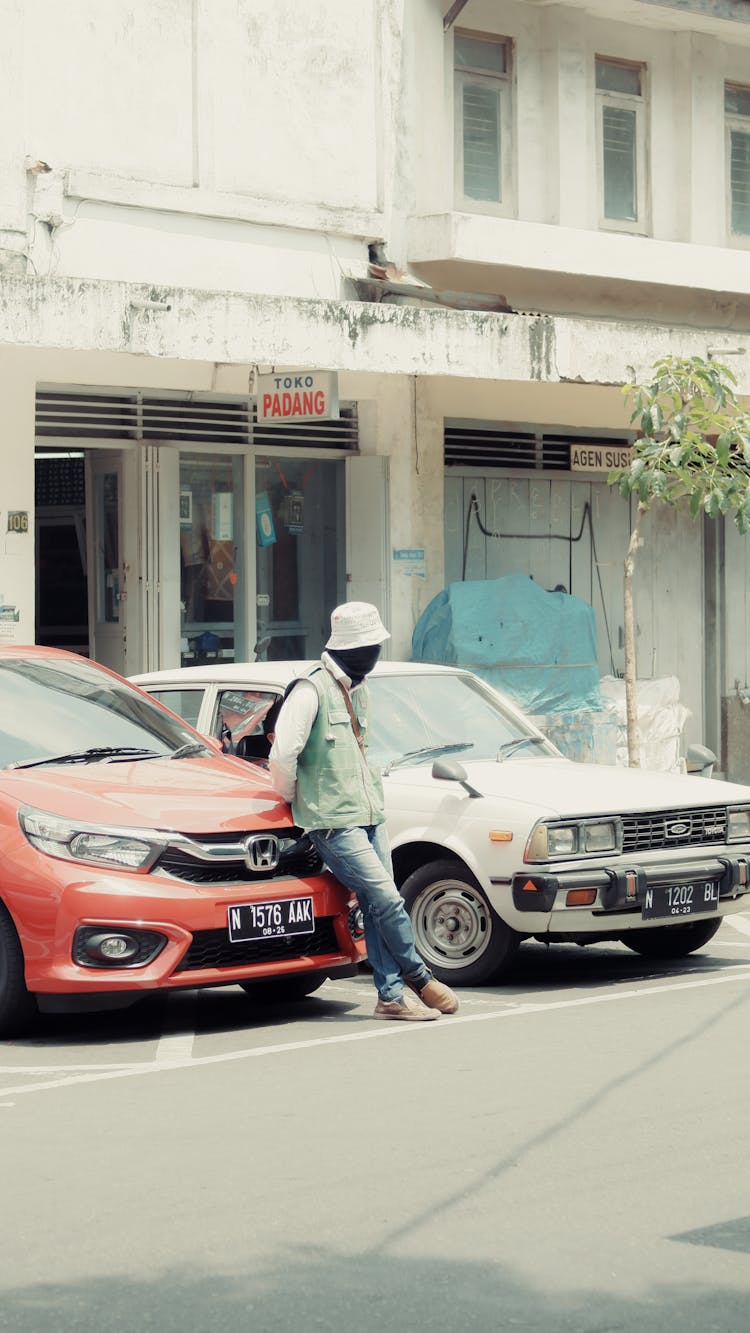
693, 448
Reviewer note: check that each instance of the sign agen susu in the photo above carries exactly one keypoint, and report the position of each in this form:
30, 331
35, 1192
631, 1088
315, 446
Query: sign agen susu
598, 457
311, 395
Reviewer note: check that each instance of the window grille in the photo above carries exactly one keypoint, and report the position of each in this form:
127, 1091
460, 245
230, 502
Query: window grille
621, 136
737, 112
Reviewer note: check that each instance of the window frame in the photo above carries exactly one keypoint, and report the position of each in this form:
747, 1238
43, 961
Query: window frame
158, 689
639, 225
252, 721
503, 85
734, 122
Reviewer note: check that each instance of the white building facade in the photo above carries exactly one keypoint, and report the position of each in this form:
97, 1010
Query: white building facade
466, 224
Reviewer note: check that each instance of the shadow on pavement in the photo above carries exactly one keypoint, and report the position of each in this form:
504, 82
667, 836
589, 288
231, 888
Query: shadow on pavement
359, 1293
215, 1010
587, 966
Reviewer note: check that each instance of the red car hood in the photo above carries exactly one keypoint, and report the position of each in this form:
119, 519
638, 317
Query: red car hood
198, 795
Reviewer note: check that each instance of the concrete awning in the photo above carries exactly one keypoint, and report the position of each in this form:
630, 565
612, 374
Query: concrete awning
246, 329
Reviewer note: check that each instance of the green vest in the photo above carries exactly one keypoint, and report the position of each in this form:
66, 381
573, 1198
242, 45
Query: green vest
336, 788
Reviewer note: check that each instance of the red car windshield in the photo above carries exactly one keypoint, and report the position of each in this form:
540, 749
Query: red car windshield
55, 707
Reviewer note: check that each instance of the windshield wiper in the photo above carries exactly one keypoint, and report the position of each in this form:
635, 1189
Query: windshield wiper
427, 752
94, 755
190, 747
509, 747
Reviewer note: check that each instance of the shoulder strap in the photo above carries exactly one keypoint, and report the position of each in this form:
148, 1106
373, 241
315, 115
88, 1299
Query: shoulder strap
352, 718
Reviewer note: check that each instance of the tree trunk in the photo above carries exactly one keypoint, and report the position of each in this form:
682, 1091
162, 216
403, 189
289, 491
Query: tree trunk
631, 699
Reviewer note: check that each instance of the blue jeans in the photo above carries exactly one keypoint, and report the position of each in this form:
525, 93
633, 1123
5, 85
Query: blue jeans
361, 859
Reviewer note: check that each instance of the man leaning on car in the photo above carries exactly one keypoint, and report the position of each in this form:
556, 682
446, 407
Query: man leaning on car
319, 764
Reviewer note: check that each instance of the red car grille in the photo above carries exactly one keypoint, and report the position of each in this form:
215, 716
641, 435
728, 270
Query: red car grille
213, 948
298, 860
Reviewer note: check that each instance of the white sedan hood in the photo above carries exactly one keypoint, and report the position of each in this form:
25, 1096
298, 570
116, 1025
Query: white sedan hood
565, 788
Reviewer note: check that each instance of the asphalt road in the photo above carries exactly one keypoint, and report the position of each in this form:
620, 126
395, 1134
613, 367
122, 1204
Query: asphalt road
567, 1153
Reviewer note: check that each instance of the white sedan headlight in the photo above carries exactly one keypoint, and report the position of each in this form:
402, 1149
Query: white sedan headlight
92, 844
585, 837
738, 824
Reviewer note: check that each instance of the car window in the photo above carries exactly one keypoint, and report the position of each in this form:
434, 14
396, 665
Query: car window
186, 703
241, 711
52, 706
416, 711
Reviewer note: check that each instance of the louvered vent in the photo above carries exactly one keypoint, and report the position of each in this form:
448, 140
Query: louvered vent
100, 417
196, 420
490, 448
340, 434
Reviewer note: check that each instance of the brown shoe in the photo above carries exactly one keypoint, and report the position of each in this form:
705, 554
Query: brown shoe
407, 1009
437, 996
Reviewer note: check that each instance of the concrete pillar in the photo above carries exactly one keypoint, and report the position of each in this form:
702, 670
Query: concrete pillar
397, 420
17, 388
569, 119
13, 177
707, 170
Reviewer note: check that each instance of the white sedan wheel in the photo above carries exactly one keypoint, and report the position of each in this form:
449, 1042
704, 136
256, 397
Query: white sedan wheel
455, 930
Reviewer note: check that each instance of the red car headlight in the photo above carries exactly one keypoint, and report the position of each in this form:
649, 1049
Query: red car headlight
93, 844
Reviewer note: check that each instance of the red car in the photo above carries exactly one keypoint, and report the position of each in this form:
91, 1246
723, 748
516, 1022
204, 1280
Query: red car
134, 857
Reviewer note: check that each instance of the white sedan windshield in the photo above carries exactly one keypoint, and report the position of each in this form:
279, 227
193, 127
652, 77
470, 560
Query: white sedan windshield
418, 714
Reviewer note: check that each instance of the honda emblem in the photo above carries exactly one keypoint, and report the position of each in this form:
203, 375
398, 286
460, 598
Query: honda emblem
261, 852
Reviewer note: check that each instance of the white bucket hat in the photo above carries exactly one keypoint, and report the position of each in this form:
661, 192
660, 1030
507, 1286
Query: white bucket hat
356, 625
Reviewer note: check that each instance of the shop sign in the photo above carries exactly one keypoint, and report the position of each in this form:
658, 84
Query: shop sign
312, 395
409, 560
599, 457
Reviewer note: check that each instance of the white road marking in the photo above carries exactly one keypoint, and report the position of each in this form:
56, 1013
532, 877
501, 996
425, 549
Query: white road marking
67, 1069
732, 974
366, 994
342, 988
176, 1048
740, 923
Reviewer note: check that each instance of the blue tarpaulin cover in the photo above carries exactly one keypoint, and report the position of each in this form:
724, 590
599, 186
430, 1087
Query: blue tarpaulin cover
537, 646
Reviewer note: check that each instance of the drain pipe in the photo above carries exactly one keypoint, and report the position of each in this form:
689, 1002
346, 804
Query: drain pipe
453, 13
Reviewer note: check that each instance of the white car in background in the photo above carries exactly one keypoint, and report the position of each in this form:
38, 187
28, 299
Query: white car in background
496, 836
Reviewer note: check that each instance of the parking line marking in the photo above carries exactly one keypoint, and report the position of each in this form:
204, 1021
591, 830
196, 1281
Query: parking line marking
176, 1048
740, 972
67, 1069
740, 923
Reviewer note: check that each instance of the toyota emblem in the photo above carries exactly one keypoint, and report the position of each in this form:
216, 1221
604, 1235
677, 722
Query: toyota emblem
261, 852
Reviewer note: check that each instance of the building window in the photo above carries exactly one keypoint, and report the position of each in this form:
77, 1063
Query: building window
737, 111
483, 119
621, 139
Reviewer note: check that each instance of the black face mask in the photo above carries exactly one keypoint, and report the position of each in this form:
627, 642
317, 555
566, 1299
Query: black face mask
357, 662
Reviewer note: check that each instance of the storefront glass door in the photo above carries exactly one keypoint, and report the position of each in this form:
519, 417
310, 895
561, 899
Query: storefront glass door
211, 519
107, 559
300, 553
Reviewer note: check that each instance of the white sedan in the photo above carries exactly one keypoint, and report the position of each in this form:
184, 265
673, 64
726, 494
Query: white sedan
496, 836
